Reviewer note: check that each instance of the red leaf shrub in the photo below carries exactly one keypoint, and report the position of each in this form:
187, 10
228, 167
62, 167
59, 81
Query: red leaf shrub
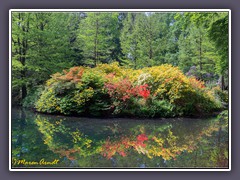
124, 90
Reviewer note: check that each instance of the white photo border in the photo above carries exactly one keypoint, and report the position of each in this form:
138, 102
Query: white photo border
117, 10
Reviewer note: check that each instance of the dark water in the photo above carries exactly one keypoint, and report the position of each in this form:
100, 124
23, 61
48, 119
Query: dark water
55, 141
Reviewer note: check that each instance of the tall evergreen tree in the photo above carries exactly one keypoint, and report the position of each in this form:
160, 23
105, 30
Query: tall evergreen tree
146, 39
20, 47
96, 37
40, 47
218, 33
215, 25
129, 40
196, 50
149, 38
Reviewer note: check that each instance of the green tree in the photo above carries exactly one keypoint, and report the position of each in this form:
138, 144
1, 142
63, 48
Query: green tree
146, 39
215, 25
196, 50
96, 37
20, 47
172, 31
129, 42
148, 29
218, 33
195, 47
44, 43
41, 46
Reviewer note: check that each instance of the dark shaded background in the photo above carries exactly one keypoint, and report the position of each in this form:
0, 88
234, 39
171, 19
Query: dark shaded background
5, 5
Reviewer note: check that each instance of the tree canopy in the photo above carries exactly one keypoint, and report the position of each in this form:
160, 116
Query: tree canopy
44, 43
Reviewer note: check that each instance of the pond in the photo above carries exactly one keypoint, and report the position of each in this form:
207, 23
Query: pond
40, 141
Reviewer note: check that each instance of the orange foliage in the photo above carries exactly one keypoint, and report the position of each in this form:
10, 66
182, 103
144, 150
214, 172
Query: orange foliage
74, 75
196, 83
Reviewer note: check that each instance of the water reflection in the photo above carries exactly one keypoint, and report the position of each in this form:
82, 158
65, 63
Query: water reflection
83, 142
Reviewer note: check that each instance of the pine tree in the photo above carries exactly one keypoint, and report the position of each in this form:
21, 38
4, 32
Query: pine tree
40, 47
129, 40
96, 37
197, 51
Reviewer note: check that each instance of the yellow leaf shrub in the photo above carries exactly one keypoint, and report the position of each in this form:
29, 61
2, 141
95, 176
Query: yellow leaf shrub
48, 102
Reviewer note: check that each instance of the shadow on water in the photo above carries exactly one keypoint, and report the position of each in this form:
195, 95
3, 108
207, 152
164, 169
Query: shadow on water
54, 141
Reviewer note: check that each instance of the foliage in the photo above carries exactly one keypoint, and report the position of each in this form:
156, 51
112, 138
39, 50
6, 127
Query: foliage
144, 38
98, 36
160, 91
223, 118
41, 46
44, 43
204, 38
33, 96
48, 102
221, 96
188, 95
218, 33
74, 91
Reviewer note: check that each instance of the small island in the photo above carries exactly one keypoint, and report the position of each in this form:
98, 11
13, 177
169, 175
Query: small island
120, 64
109, 90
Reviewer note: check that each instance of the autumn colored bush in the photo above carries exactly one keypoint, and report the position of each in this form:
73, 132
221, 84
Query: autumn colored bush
112, 90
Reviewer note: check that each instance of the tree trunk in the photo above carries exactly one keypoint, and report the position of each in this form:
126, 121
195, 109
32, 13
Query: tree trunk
135, 56
96, 44
23, 46
200, 57
222, 83
24, 87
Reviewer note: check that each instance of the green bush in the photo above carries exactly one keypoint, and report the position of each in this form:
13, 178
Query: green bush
221, 96
163, 109
156, 108
32, 97
48, 102
74, 93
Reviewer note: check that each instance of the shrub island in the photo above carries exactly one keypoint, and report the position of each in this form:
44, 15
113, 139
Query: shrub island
109, 90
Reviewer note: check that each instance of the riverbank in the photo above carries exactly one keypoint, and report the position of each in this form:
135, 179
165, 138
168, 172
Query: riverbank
204, 116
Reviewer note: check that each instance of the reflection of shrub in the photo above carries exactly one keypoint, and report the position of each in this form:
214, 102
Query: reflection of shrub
161, 91
63, 140
223, 115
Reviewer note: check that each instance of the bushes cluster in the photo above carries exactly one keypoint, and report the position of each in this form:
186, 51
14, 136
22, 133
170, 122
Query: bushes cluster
111, 90
221, 96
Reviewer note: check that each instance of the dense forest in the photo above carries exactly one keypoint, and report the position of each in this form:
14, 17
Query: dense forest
46, 43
